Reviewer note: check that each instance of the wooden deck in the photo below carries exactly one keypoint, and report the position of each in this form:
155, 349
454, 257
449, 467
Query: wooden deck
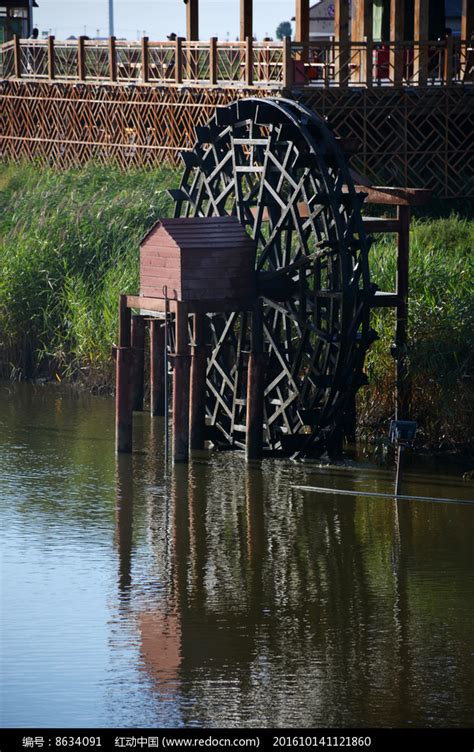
139, 104
278, 65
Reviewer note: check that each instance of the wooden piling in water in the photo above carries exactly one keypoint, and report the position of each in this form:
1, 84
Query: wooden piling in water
181, 365
255, 388
157, 367
197, 395
138, 361
123, 400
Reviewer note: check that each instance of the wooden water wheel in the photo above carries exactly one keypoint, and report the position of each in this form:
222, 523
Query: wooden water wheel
276, 166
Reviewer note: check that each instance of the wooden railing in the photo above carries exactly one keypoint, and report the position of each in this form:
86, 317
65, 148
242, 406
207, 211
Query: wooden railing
272, 64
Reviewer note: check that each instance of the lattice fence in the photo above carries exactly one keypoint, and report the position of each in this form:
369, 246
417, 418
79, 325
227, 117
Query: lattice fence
417, 138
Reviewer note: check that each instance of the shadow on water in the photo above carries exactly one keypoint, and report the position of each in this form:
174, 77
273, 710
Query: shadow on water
217, 594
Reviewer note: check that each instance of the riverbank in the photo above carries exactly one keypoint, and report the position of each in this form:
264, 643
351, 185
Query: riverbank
70, 246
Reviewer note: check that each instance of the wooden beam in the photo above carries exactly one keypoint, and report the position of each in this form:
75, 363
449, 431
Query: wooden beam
192, 20
421, 33
246, 19
397, 30
341, 36
302, 21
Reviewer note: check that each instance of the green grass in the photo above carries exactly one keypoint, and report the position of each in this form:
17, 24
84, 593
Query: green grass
70, 245
441, 331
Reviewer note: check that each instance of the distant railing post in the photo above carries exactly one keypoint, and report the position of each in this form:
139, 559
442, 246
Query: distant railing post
179, 60
213, 60
112, 59
51, 61
287, 64
369, 64
81, 59
17, 55
249, 61
145, 69
448, 61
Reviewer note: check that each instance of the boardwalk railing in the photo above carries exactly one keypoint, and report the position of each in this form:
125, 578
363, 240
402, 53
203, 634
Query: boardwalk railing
272, 64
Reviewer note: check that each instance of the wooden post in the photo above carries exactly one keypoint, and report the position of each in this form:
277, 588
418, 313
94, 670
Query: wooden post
145, 60
287, 64
369, 62
192, 20
467, 20
112, 59
81, 59
246, 19
181, 361
255, 388
467, 30
213, 60
17, 55
362, 31
157, 367
179, 60
125, 318
249, 61
448, 60
421, 26
197, 397
401, 327
397, 24
138, 361
51, 62
123, 402
302, 21
341, 35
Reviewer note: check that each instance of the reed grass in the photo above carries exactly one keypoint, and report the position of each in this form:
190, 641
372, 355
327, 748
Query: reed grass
70, 245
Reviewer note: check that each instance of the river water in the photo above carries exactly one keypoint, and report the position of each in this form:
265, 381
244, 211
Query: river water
218, 595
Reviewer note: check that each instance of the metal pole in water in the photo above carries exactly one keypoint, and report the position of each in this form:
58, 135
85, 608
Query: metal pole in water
398, 476
165, 292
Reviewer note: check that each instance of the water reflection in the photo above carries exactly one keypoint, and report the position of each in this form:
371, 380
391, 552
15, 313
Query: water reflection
215, 594
282, 609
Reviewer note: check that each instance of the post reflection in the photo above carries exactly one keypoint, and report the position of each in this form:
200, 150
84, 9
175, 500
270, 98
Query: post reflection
279, 608
124, 522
